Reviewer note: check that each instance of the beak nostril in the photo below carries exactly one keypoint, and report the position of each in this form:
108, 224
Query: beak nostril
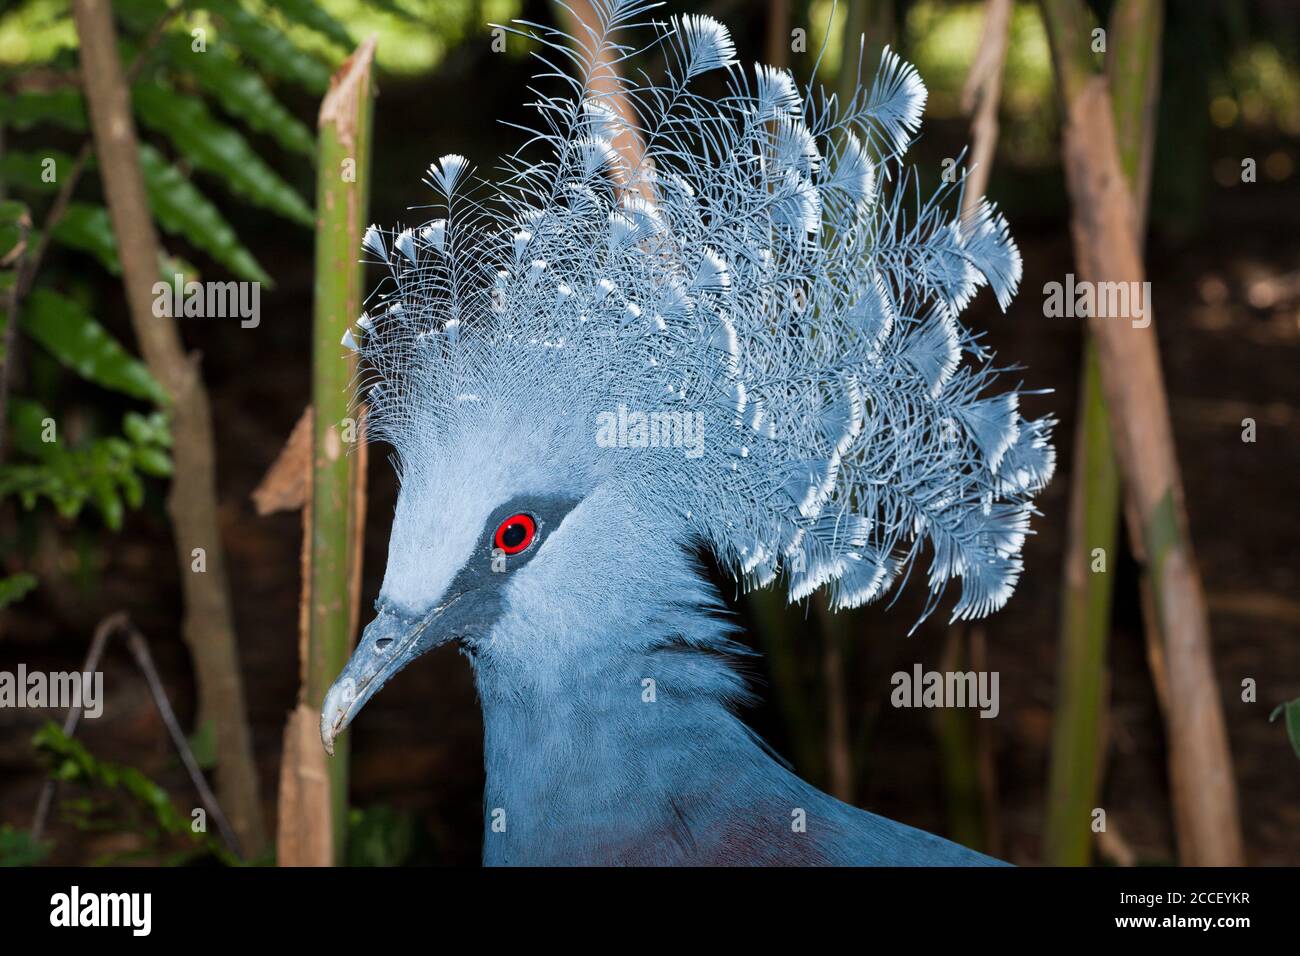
383, 643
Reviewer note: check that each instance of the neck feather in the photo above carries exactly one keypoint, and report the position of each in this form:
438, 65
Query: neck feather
614, 756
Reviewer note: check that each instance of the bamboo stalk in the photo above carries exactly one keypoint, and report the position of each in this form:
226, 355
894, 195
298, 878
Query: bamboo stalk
582, 22
1078, 751
959, 754
1103, 224
1136, 30
980, 97
313, 792
208, 627
1076, 758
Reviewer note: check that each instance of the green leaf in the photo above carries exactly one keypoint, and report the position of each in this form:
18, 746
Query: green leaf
380, 836
25, 171
17, 848
151, 429
72, 336
62, 107
13, 212
102, 472
396, 9
270, 48
1292, 710
177, 205
182, 210
216, 148
16, 587
70, 761
153, 461
140, 15
88, 228
241, 92
310, 14
26, 425
104, 491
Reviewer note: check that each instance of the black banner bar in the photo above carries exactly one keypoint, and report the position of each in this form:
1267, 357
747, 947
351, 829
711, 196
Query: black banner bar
212, 906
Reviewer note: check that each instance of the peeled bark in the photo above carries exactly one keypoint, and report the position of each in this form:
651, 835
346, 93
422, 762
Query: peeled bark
313, 791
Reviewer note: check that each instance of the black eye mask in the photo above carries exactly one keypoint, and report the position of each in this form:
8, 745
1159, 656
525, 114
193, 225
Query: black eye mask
512, 535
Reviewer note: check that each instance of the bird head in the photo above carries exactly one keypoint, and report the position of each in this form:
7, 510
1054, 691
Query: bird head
515, 537
746, 341
470, 543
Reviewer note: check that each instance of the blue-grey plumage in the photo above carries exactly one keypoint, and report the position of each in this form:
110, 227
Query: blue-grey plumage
741, 344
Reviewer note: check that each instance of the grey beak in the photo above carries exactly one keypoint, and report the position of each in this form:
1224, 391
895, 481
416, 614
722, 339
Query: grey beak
382, 651
390, 642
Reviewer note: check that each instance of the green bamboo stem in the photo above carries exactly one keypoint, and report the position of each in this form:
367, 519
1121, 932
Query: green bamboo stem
1108, 248
1074, 780
959, 755
341, 202
1076, 761
1137, 28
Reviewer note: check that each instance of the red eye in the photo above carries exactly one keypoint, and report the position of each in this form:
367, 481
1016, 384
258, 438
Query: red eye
515, 533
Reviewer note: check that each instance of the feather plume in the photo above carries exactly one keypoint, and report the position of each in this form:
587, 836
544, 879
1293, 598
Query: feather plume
768, 267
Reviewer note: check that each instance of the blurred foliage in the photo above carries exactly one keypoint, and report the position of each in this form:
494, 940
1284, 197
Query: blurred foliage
36, 32
105, 472
1260, 88
942, 39
218, 92
415, 36
1291, 710
1246, 61
182, 58
17, 848
148, 812
79, 343
14, 587
381, 836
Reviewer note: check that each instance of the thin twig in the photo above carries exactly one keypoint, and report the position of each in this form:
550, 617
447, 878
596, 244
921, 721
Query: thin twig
27, 275
140, 651
11, 325
116, 623
102, 633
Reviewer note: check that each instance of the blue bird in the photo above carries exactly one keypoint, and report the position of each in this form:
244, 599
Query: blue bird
741, 338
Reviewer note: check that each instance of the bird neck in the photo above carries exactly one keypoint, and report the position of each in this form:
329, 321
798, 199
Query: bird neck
603, 756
